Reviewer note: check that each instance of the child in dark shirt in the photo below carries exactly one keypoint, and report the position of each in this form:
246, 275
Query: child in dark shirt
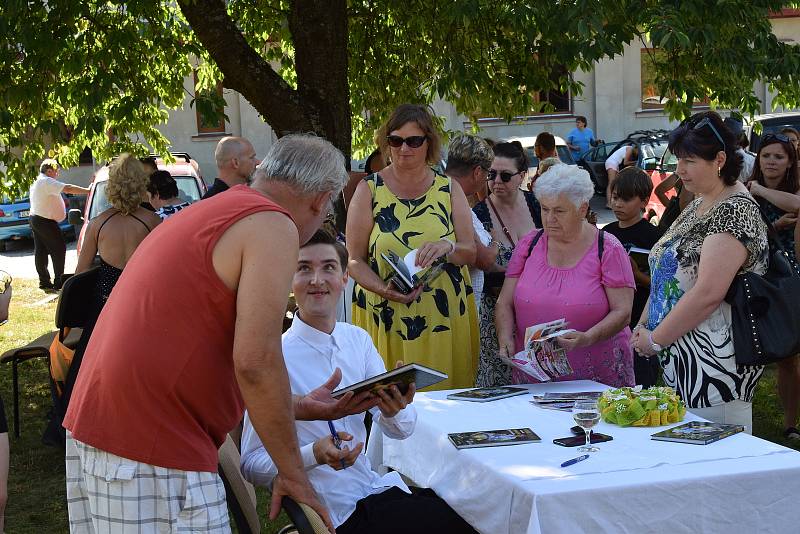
630, 193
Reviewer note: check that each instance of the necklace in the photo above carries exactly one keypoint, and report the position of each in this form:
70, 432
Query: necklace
719, 197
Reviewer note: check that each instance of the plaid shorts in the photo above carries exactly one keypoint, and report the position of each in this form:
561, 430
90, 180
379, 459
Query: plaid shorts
108, 493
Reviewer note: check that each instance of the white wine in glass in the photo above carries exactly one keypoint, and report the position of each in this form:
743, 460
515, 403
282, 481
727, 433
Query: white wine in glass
586, 415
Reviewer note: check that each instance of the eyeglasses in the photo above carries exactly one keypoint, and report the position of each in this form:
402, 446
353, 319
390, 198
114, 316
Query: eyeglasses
414, 141
505, 176
706, 122
775, 137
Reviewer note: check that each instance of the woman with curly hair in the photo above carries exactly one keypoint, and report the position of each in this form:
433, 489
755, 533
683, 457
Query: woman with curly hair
113, 236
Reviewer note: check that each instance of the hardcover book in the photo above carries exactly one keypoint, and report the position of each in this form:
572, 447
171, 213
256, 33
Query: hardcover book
698, 432
401, 377
640, 256
493, 438
407, 276
487, 394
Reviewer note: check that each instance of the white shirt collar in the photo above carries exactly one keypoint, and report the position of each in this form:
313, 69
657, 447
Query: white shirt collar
316, 339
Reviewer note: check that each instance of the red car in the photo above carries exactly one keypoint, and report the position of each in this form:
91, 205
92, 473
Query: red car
185, 170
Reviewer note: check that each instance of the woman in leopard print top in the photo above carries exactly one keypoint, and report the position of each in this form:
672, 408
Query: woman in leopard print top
686, 323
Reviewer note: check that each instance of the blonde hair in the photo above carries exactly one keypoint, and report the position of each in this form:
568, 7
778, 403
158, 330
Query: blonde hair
127, 184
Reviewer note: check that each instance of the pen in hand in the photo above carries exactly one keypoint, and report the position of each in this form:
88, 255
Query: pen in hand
337, 442
575, 460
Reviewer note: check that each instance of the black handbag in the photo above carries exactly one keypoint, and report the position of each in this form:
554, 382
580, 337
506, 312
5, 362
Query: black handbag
765, 309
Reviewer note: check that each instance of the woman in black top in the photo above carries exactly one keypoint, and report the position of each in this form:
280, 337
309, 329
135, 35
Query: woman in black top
508, 214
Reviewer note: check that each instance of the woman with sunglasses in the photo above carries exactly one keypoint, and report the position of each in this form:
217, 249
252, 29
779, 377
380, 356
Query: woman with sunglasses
407, 206
686, 322
508, 214
775, 185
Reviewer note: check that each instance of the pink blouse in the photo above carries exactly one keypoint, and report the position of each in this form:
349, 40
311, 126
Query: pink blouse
546, 293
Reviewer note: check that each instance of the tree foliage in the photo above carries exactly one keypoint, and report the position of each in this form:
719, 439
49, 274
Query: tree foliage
103, 73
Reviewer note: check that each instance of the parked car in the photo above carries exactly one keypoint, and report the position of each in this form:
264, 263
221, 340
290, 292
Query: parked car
564, 153
185, 170
652, 145
770, 123
14, 224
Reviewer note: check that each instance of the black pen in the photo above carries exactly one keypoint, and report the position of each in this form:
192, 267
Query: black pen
337, 442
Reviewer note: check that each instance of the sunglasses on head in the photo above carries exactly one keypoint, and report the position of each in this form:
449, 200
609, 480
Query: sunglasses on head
705, 122
775, 137
414, 141
505, 176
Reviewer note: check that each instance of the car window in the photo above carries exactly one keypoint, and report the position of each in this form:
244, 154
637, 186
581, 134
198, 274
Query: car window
668, 161
188, 191
772, 126
565, 155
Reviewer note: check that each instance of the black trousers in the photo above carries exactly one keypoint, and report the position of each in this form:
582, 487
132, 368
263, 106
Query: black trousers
48, 241
396, 512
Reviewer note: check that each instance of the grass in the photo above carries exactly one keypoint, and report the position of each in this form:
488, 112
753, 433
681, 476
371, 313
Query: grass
36, 480
36, 488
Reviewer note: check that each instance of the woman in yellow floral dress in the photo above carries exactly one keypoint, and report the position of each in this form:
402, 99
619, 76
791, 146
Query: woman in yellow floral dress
408, 206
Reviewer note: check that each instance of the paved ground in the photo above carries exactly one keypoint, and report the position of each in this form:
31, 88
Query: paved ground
18, 257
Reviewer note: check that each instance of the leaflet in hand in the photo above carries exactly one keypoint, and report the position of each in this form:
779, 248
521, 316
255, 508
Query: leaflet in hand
407, 275
543, 359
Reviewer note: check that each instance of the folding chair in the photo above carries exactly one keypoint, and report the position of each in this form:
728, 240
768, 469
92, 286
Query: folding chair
71, 313
241, 496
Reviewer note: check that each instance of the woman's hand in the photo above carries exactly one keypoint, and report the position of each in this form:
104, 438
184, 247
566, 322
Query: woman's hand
573, 340
787, 220
391, 293
431, 251
754, 187
640, 342
326, 453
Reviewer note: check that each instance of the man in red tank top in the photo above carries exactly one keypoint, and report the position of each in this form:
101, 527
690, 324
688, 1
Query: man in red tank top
190, 336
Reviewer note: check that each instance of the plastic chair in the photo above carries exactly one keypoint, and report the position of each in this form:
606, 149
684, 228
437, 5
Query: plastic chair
71, 313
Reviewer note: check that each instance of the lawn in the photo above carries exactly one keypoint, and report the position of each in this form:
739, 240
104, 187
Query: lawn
36, 491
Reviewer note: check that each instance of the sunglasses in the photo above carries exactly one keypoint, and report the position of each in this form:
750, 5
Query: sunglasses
505, 176
414, 141
703, 123
775, 137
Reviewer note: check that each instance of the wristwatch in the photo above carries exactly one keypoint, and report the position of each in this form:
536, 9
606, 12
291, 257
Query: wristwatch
655, 347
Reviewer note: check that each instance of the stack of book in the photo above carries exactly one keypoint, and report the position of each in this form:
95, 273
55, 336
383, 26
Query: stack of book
563, 401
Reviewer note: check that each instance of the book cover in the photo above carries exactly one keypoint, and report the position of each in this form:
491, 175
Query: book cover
401, 377
487, 394
407, 276
640, 256
493, 438
698, 432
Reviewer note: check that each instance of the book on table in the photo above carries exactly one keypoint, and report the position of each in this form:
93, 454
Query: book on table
542, 357
698, 432
487, 394
408, 276
493, 438
401, 377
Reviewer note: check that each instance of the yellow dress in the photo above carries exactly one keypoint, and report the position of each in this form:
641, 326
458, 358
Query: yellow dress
439, 329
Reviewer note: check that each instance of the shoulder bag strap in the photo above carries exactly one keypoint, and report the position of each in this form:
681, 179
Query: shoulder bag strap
600, 241
534, 241
502, 224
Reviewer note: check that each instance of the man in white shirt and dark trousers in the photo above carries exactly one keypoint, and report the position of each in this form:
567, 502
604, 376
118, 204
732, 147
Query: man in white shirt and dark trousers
359, 500
47, 210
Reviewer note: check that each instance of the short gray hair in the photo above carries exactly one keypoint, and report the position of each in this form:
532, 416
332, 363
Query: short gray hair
568, 180
48, 164
305, 162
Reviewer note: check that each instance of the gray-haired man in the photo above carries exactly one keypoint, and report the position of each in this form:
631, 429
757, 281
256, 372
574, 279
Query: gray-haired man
191, 336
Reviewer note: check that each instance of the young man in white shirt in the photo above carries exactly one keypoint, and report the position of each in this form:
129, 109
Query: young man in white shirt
47, 210
358, 499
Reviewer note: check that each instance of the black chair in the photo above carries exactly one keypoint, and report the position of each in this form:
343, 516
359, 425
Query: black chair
71, 315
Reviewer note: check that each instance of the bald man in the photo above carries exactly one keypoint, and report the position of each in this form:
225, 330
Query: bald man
236, 161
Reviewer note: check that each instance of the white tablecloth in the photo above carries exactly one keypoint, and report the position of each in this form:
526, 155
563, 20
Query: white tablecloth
634, 484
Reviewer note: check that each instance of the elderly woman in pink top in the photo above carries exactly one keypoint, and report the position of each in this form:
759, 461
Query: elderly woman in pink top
570, 270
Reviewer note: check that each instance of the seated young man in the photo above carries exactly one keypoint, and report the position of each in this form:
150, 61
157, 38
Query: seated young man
359, 500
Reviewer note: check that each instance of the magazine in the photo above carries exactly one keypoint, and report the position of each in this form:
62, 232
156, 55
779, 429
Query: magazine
487, 394
542, 358
407, 276
401, 377
698, 432
493, 438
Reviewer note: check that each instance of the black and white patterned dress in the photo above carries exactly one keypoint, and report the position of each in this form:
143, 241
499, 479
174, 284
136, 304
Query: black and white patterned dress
701, 365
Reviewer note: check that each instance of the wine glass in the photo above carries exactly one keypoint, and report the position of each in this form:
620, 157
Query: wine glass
586, 415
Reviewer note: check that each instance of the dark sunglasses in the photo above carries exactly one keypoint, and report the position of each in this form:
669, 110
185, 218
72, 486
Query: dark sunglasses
775, 137
703, 123
505, 176
414, 141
